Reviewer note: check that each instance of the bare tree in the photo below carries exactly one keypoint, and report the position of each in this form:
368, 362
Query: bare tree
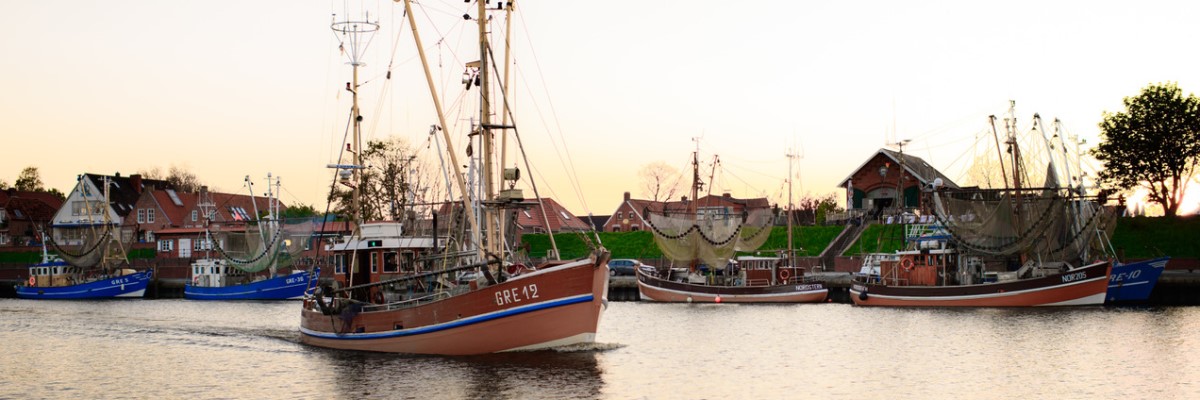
183, 180
178, 176
659, 181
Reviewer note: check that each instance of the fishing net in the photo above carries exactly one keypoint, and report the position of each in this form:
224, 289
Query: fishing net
710, 239
259, 245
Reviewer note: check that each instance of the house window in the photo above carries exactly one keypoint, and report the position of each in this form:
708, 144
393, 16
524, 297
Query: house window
3, 238
150, 216
391, 262
202, 244
141, 215
195, 215
374, 263
166, 245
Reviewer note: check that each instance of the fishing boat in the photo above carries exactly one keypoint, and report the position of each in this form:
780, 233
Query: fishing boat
1002, 246
95, 269
252, 254
1132, 282
705, 234
397, 285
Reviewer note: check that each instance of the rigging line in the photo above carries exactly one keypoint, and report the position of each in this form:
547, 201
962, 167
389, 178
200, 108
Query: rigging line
554, 114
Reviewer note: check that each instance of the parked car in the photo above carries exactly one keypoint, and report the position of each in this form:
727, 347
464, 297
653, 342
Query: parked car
623, 266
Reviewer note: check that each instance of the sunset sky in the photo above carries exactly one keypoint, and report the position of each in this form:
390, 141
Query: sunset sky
228, 89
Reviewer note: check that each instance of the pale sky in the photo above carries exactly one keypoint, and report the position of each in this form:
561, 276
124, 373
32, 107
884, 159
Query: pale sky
228, 89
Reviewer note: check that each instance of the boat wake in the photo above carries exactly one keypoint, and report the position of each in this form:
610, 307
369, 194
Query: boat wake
587, 347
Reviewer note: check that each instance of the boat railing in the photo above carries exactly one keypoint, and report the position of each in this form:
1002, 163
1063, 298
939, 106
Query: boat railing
408, 302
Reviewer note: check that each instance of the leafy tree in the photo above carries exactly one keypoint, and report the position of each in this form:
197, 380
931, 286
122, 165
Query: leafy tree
3, 184
29, 180
299, 211
659, 181
1154, 144
394, 182
813, 209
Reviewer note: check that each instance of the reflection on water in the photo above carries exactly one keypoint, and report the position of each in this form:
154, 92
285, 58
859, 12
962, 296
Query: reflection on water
541, 375
179, 348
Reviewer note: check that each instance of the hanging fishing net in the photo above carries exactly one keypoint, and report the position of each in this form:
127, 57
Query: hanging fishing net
711, 239
259, 245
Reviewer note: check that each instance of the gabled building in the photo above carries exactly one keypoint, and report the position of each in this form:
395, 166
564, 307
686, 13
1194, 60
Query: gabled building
629, 215
23, 214
85, 209
531, 220
890, 180
175, 221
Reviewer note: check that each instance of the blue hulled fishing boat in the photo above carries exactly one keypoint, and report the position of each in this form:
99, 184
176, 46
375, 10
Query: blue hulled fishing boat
1133, 282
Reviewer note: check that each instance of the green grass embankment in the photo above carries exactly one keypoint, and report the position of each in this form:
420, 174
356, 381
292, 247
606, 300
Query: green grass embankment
811, 240
1137, 238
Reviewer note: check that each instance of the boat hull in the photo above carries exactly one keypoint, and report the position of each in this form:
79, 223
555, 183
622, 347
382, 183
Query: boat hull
125, 286
654, 289
1083, 286
284, 287
1133, 282
552, 307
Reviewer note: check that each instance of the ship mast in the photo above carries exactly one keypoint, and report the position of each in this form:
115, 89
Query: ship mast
357, 34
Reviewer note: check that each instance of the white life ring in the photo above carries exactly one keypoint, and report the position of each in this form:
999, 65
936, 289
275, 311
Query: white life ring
785, 274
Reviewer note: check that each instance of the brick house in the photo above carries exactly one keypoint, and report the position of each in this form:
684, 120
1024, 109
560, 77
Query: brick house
628, 216
23, 214
890, 181
175, 221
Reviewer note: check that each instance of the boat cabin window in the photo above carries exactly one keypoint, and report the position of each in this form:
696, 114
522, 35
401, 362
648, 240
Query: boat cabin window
391, 261
374, 262
339, 263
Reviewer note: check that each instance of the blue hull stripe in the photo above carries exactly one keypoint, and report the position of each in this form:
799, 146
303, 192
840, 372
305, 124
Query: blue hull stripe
451, 325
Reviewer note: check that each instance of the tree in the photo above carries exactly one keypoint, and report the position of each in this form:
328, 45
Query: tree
659, 181
298, 211
179, 178
813, 210
3, 184
1154, 144
29, 180
393, 183
183, 180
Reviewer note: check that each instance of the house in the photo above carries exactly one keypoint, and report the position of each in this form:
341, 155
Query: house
556, 219
890, 180
23, 214
84, 212
629, 215
176, 221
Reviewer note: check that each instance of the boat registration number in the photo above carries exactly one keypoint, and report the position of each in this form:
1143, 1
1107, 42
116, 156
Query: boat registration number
298, 279
1072, 277
120, 281
1125, 275
517, 294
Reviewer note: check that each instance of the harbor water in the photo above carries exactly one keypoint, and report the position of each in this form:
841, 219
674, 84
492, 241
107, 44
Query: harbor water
248, 350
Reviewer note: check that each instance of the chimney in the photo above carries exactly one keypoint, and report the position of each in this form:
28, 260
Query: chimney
135, 180
725, 195
626, 196
683, 199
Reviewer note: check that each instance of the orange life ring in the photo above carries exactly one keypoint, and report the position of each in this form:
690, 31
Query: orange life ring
907, 264
32, 280
785, 274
